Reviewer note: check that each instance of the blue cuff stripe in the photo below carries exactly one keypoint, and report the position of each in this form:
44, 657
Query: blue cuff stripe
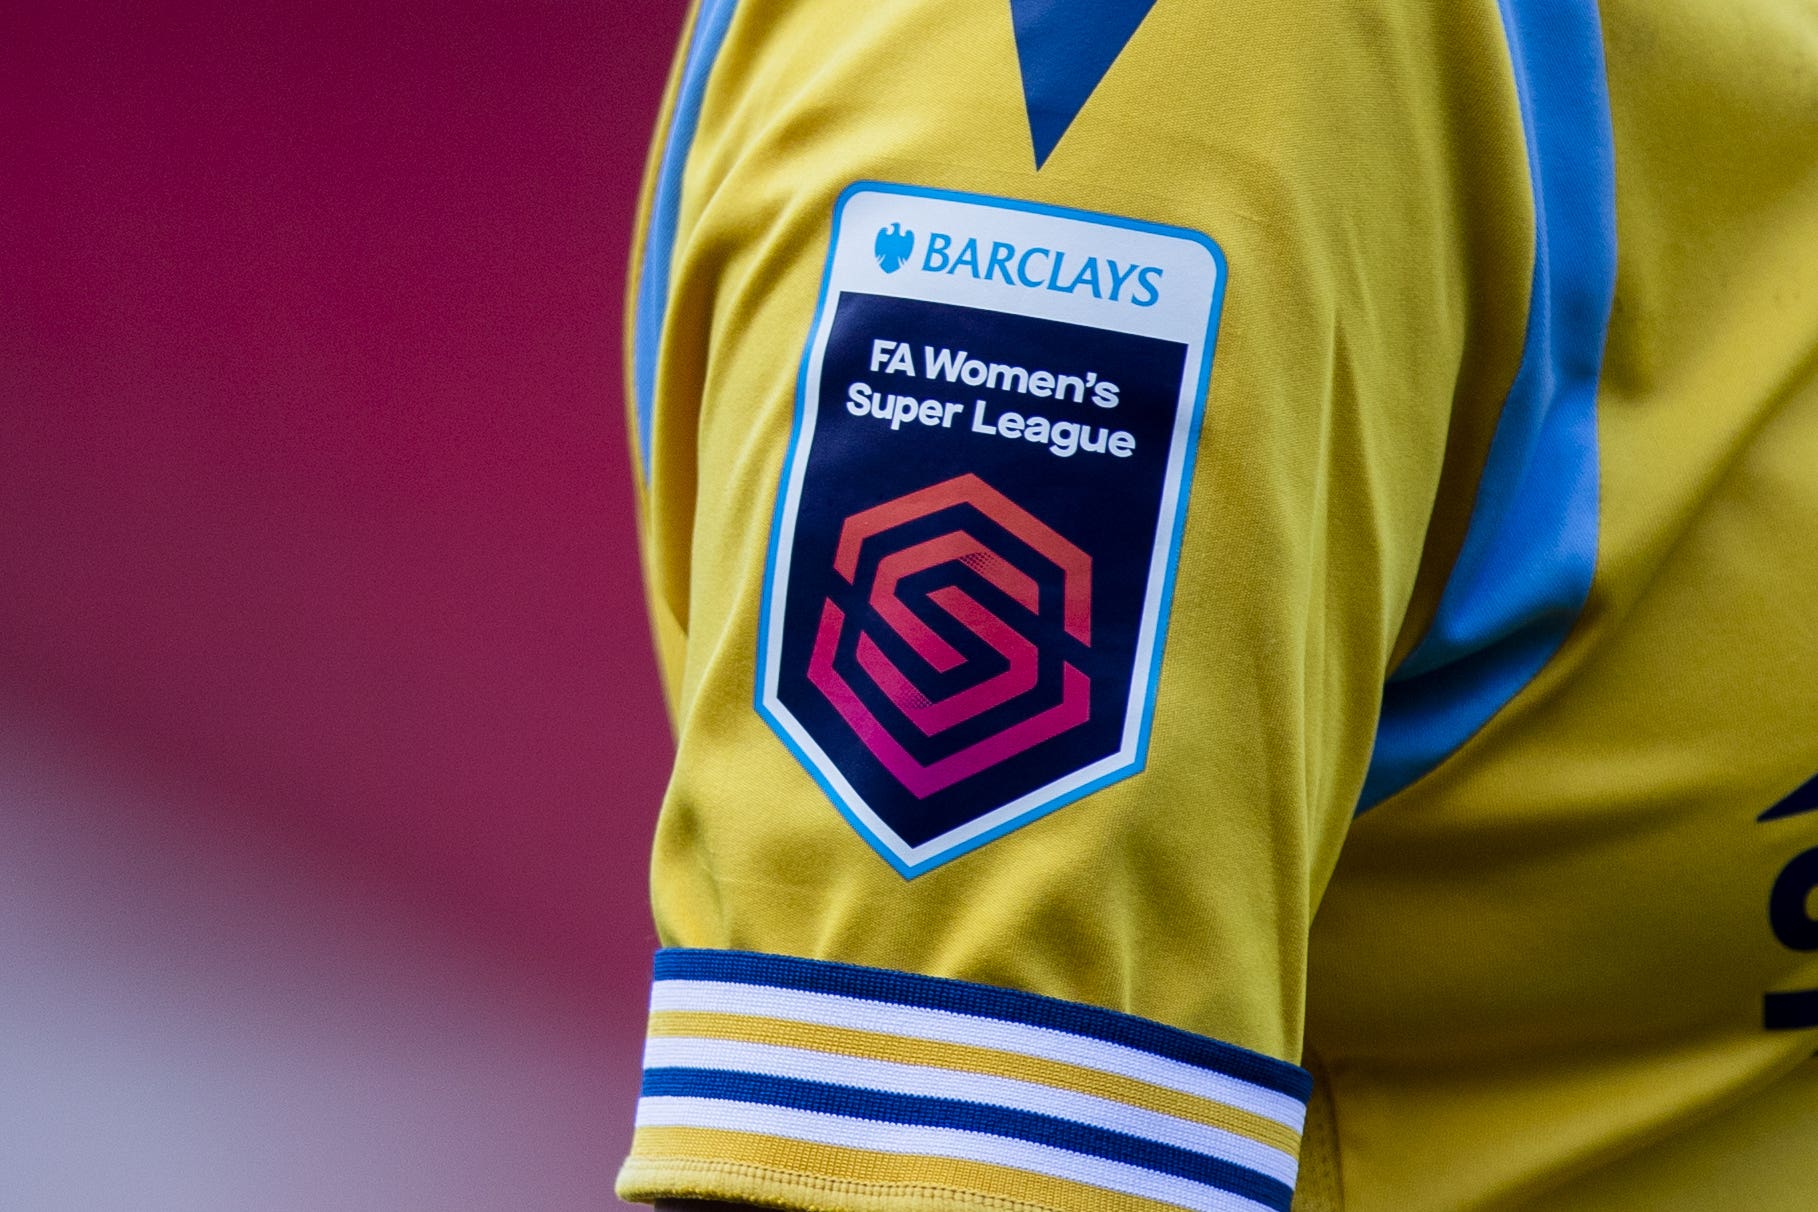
985, 1001
920, 1111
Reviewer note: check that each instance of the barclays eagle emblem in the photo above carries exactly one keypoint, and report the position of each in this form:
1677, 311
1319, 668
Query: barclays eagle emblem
893, 247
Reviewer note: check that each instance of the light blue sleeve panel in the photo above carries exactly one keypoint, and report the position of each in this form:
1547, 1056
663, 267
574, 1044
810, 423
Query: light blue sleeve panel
1524, 571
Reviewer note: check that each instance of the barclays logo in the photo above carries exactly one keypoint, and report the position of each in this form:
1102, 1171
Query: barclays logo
1038, 268
893, 247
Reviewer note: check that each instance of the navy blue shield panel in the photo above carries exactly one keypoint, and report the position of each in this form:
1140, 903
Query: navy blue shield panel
981, 507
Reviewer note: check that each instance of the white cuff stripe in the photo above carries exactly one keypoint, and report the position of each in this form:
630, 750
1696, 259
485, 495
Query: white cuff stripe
833, 1010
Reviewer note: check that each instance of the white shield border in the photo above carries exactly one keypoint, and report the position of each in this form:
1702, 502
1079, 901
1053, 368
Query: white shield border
912, 860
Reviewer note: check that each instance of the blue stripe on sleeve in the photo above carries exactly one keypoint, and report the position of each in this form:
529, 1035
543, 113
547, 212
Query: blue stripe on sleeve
710, 25
922, 1111
1064, 48
985, 1001
1530, 550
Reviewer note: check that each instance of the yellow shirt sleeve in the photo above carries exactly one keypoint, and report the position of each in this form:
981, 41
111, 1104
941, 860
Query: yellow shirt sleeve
1048, 438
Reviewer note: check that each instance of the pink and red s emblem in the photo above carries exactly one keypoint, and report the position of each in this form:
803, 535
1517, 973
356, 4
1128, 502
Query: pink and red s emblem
932, 716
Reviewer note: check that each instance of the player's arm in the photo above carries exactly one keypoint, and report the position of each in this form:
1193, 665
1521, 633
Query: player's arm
1040, 450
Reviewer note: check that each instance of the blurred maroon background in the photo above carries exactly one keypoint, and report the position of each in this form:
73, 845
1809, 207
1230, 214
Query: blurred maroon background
330, 742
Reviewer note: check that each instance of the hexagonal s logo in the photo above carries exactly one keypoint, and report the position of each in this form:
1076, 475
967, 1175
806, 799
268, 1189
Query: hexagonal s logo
892, 247
1003, 695
980, 512
944, 675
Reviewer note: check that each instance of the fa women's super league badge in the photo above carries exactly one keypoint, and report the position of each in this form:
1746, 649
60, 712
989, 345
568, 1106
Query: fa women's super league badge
978, 522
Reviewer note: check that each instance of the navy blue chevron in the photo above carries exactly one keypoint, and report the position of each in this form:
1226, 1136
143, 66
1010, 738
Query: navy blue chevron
1803, 799
1065, 47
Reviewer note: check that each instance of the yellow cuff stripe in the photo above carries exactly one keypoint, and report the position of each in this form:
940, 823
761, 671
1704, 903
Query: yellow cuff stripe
969, 1059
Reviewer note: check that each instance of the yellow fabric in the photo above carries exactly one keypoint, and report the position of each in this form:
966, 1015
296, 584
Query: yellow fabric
1537, 974
1320, 1185
1753, 1148
781, 1173
1212, 857
1553, 951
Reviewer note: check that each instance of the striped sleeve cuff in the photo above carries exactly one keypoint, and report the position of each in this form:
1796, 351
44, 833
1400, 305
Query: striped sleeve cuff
797, 1083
